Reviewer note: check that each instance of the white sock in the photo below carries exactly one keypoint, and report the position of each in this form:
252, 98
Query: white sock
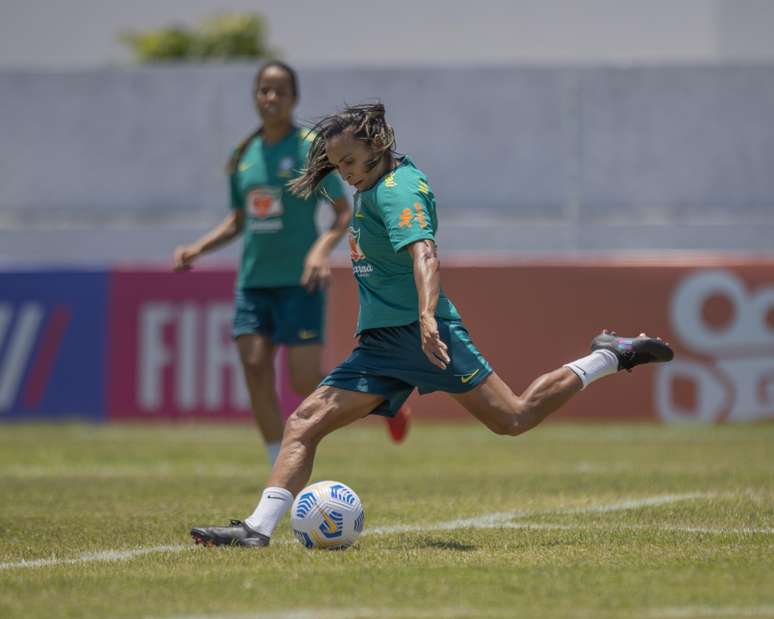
272, 507
592, 367
272, 450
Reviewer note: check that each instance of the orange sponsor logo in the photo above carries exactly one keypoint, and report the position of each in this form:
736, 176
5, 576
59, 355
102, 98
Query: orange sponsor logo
355, 253
261, 205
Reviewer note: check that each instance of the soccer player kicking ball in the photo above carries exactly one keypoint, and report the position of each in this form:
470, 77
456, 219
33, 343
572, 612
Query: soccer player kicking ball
411, 335
284, 267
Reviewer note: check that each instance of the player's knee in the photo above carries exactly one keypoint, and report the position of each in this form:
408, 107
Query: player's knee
519, 421
305, 424
503, 427
256, 364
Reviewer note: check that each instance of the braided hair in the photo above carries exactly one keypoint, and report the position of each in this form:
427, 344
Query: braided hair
365, 122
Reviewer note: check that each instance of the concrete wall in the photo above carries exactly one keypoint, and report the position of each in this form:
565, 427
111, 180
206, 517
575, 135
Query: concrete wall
550, 151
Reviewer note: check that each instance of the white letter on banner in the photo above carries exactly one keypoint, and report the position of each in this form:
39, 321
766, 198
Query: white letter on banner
753, 381
747, 333
221, 356
711, 396
19, 349
153, 356
187, 358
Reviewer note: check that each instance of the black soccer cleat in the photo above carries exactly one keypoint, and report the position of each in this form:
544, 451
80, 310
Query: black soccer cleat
236, 534
633, 351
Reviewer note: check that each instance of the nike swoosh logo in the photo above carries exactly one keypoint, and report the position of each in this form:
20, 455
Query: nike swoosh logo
245, 166
359, 216
307, 335
332, 528
279, 498
466, 378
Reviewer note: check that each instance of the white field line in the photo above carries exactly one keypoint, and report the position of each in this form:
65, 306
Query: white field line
357, 613
104, 555
502, 519
484, 521
679, 612
641, 527
685, 612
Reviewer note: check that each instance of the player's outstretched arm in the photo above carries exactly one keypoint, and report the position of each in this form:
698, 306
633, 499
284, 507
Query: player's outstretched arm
220, 235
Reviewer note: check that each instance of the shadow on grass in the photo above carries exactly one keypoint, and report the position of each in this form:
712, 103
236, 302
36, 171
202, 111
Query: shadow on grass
445, 545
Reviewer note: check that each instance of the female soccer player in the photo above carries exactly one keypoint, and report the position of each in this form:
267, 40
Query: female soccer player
284, 266
411, 335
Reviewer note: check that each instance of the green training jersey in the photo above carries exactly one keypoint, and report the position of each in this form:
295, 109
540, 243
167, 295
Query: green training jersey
279, 226
397, 211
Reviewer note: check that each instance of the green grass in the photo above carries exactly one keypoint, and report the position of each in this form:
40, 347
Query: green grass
577, 539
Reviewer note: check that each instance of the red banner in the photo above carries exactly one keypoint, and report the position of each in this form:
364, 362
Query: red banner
171, 354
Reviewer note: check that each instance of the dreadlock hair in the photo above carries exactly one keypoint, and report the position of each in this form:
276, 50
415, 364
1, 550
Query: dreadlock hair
365, 122
233, 161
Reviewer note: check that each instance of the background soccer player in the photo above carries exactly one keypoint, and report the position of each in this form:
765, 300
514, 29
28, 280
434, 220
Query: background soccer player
411, 335
285, 264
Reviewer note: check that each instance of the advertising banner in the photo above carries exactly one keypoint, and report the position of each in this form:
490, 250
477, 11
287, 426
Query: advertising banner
155, 345
718, 314
52, 345
171, 352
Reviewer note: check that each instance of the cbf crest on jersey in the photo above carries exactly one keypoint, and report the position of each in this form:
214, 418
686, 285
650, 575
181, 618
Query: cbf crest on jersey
285, 167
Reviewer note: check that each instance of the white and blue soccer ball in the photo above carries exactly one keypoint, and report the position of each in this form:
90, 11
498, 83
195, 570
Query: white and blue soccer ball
327, 515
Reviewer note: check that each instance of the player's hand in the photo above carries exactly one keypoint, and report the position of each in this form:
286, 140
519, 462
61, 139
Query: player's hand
433, 346
317, 273
184, 258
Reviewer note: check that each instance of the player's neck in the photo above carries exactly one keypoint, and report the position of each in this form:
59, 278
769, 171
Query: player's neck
273, 134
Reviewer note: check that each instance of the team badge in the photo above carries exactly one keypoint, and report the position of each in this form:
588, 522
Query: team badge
285, 167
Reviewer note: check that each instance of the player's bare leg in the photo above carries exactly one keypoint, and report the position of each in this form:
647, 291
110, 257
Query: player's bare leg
256, 353
503, 412
320, 414
327, 409
304, 367
499, 409
304, 363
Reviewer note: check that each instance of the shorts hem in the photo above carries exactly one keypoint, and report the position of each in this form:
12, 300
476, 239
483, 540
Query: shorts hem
248, 331
477, 380
300, 343
386, 408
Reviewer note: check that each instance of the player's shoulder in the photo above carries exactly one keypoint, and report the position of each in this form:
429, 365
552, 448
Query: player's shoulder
405, 179
244, 150
305, 134
304, 138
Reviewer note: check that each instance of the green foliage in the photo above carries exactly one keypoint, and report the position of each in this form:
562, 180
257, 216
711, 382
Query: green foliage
222, 37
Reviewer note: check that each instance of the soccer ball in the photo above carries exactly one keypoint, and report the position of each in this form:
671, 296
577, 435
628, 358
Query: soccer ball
327, 515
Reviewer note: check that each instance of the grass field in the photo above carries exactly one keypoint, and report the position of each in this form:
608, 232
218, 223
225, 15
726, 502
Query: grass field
587, 520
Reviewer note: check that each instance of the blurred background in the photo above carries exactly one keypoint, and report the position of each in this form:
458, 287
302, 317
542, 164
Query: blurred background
604, 164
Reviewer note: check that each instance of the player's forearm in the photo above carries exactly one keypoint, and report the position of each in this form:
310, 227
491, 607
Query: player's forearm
328, 240
427, 276
218, 236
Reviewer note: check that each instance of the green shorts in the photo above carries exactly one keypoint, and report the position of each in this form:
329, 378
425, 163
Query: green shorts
389, 362
288, 315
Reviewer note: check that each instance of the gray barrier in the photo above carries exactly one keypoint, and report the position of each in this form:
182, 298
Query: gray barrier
663, 153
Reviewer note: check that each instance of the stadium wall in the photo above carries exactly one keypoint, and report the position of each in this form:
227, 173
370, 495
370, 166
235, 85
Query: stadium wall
581, 157
129, 344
